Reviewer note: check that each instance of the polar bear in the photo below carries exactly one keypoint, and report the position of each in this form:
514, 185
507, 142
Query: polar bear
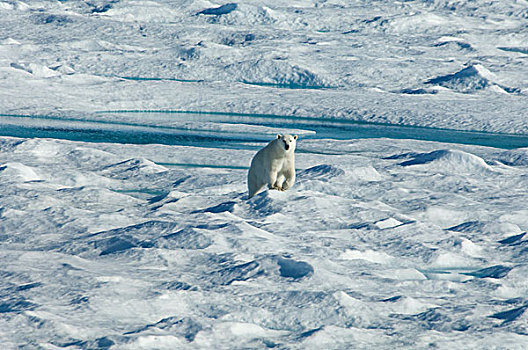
274, 166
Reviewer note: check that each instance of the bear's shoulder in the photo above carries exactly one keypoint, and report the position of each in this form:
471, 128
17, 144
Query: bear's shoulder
276, 149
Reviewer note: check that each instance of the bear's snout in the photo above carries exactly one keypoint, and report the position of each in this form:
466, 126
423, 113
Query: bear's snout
286, 146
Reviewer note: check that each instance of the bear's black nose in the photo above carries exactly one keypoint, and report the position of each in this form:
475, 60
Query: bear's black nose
286, 146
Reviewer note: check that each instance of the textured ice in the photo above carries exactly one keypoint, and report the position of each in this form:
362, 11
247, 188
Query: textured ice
377, 59
143, 252
498, 271
518, 157
450, 160
469, 79
323, 172
513, 239
294, 269
127, 129
217, 11
510, 315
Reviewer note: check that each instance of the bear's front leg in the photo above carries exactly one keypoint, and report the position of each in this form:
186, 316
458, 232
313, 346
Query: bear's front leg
289, 179
278, 183
272, 180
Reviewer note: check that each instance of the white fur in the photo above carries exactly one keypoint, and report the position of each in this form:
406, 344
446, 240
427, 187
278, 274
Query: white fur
273, 166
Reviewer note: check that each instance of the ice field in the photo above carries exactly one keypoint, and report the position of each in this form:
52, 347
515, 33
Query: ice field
126, 133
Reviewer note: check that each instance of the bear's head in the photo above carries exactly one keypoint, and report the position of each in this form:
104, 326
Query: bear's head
287, 142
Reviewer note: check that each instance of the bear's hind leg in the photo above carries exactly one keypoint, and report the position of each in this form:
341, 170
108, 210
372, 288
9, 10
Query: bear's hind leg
255, 184
253, 190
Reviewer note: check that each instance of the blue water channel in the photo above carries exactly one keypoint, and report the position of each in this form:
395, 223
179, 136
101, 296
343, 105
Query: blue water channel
142, 127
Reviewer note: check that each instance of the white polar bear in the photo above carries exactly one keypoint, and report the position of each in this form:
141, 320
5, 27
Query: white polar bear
274, 166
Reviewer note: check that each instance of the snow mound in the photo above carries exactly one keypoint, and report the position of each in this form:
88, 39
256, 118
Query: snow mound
40, 148
406, 305
8, 144
326, 172
518, 157
470, 226
293, 269
220, 208
240, 15
514, 240
150, 234
145, 11
267, 203
403, 274
238, 38
451, 260
323, 172
36, 70
496, 272
510, 315
232, 271
105, 46
517, 49
18, 171
132, 167
269, 72
185, 327
218, 11
85, 156
187, 238
364, 173
453, 42
417, 91
368, 255
10, 41
55, 19
503, 228
470, 79
450, 161
388, 223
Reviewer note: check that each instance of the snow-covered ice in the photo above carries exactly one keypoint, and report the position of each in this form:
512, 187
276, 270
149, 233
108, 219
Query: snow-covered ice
126, 133
452, 64
102, 246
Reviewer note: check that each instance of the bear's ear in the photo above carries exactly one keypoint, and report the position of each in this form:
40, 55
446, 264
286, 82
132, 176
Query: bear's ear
295, 137
278, 136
